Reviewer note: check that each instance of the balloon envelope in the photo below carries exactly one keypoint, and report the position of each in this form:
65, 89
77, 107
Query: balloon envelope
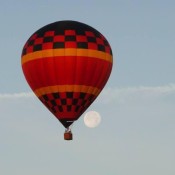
67, 64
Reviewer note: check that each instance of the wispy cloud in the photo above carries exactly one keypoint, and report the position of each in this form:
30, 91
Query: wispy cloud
16, 95
109, 95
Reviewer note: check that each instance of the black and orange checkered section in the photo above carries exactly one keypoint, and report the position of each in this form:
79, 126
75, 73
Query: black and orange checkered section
67, 104
73, 37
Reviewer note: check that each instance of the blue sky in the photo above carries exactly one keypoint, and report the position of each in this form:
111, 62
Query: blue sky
137, 133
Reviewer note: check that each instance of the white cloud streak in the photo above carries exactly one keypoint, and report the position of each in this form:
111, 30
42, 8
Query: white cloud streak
16, 95
109, 94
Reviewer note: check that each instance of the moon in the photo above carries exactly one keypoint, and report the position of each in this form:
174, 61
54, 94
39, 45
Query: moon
92, 119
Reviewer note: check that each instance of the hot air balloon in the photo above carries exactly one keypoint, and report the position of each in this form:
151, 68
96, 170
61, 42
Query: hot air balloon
67, 64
